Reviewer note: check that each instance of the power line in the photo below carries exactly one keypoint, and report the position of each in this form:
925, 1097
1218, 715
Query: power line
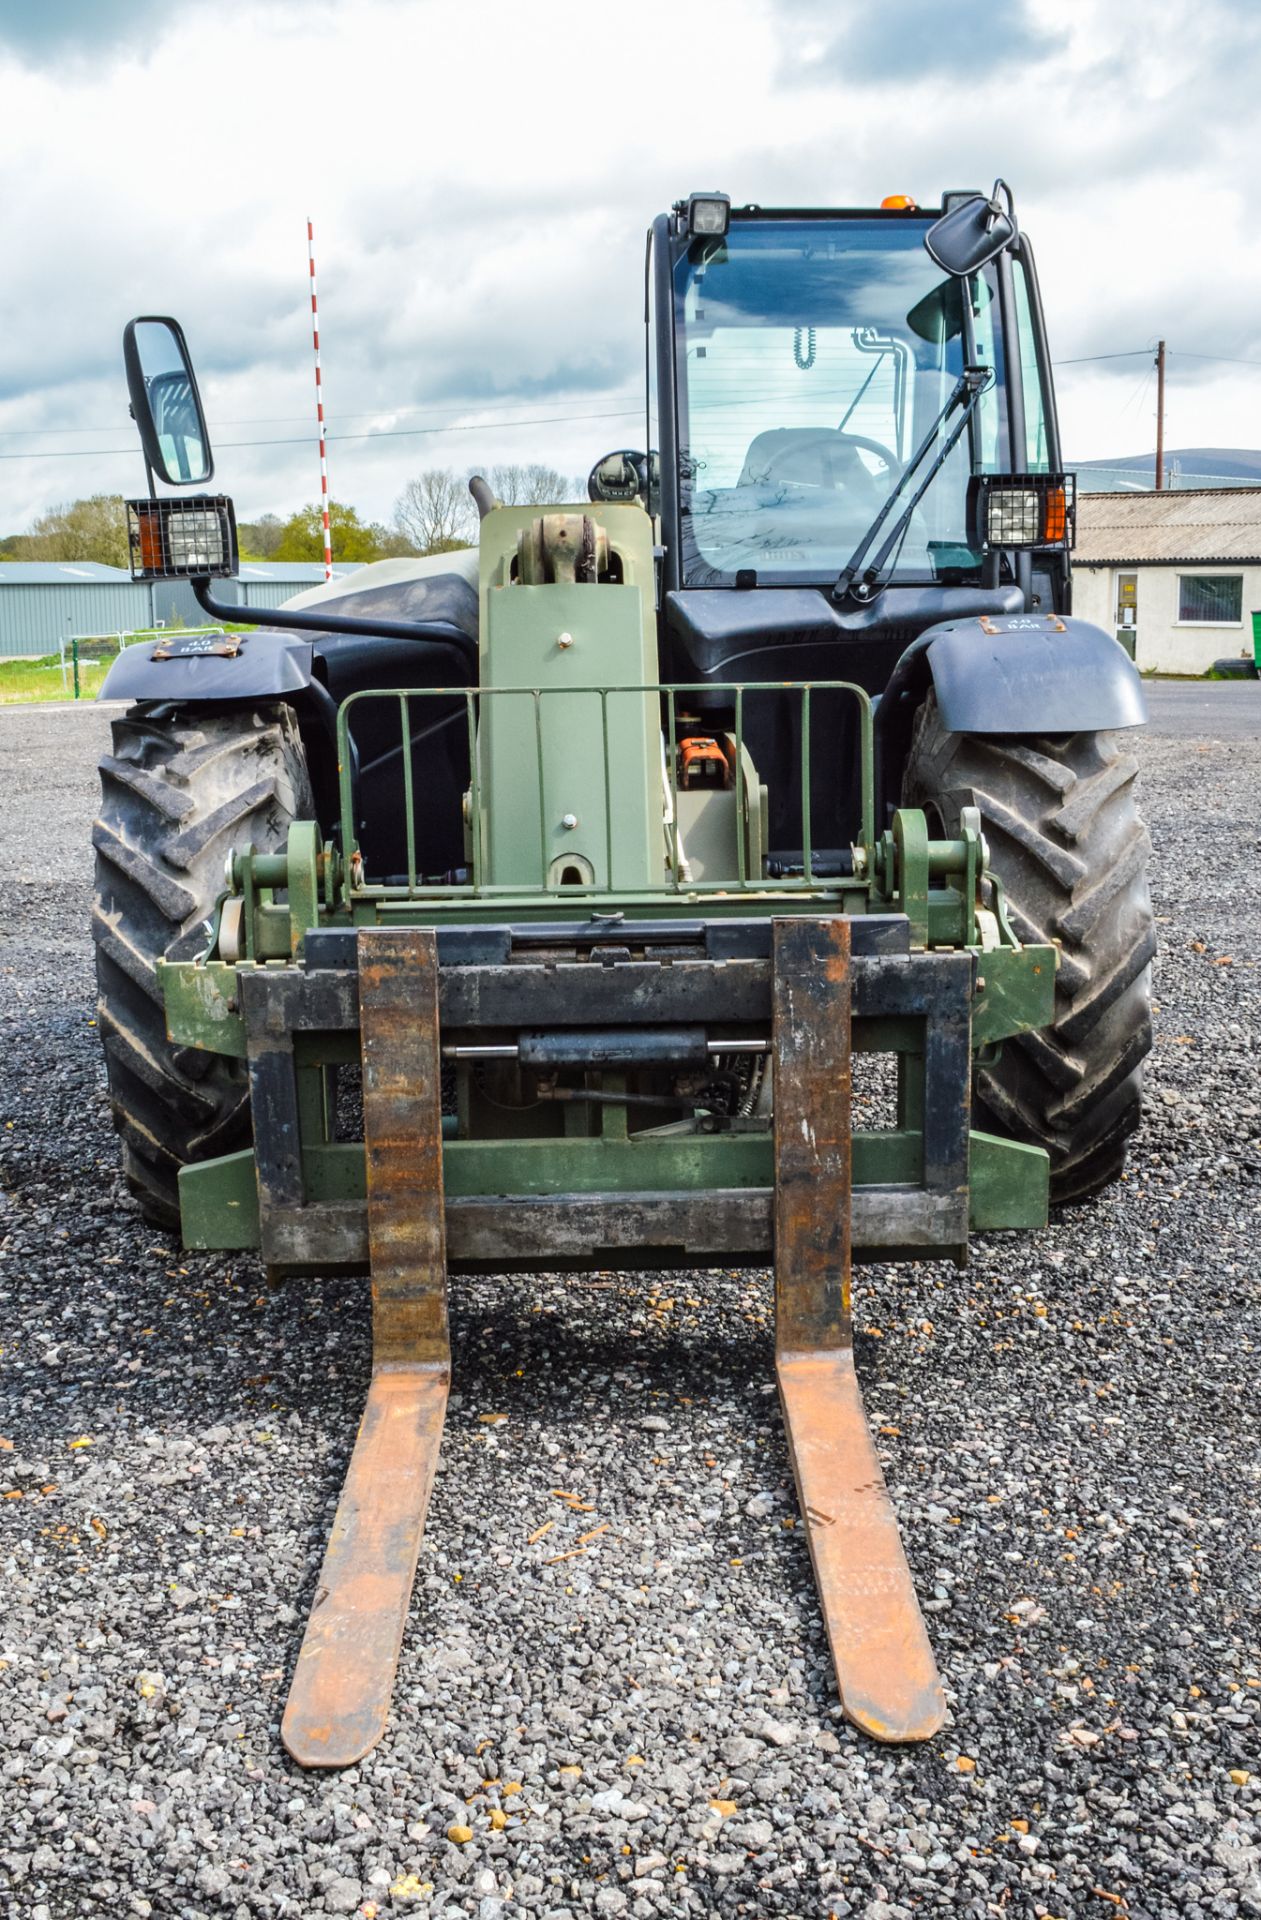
1083, 358
748, 397
1139, 394
382, 432
1223, 359
281, 419
304, 439
478, 426
1183, 353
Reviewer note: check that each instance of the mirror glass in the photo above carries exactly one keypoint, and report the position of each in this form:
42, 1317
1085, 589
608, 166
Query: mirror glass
620, 476
170, 396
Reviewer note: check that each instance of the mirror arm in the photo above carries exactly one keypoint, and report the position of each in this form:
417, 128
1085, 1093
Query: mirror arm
290, 620
148, 469
997, 210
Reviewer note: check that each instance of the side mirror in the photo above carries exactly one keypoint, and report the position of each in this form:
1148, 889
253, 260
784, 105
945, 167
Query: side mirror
165, 403
973, 233
625, 477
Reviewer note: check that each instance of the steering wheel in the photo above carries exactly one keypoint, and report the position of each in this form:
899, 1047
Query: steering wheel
846, 445
874, 446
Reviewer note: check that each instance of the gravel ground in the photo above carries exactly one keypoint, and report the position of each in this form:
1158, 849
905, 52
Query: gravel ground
1068, 1429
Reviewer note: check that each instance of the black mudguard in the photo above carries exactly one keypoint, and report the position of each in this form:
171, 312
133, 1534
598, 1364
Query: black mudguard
1019, 673
267, 666
1005, 673
1031, 673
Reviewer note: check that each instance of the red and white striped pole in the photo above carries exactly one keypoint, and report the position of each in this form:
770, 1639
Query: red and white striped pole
319, 408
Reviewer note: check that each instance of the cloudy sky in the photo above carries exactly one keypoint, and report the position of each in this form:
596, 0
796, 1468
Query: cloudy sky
481, 172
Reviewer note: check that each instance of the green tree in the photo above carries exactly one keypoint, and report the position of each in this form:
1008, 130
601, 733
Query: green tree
302, 536
94, 529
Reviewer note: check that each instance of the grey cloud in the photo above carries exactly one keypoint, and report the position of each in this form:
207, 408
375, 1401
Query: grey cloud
48, 33
917, 39
441, 294
42, 32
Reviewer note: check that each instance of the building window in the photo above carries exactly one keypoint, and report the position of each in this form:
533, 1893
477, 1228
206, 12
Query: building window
1210, 599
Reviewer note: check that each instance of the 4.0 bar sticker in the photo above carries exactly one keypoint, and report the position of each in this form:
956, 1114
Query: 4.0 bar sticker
192, 646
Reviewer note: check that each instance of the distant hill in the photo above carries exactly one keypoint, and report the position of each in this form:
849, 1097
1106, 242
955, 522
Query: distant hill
1184, 467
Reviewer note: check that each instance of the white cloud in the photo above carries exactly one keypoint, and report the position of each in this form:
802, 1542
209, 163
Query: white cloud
481, 185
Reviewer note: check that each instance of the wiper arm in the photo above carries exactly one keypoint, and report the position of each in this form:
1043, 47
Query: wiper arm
863, 581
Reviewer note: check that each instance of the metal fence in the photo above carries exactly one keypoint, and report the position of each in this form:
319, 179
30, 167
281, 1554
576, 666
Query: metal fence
77, 651
675, 877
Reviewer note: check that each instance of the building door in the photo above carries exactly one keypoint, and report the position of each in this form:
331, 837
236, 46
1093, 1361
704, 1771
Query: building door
1127, 611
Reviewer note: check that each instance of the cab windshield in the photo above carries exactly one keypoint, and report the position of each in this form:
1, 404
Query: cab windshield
813, 356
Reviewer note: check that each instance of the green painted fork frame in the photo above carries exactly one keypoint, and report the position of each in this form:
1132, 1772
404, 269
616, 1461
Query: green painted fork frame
519, 957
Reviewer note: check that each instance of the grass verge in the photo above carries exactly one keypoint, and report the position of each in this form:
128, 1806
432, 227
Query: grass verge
31, 680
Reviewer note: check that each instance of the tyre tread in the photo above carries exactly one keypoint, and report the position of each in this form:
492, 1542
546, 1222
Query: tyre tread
176, 793
1070, 848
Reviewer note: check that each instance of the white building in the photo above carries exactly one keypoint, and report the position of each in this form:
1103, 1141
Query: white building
1175, 575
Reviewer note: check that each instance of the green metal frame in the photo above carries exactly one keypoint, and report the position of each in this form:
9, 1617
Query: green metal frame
1008, 1182
574, 703
632, 847
1015, 992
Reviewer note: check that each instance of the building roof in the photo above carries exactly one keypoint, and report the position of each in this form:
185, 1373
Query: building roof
304, 572
1194, 526
63, 573
59, 573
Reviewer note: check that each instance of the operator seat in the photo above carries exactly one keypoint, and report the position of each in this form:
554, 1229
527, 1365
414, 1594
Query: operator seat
810, 457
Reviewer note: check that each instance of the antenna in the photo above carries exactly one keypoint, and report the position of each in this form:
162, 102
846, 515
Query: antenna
319, 407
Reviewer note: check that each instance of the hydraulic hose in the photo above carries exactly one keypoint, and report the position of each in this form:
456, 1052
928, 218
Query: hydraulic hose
286, 618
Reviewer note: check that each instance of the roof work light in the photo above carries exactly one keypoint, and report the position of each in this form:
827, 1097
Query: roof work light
708, 215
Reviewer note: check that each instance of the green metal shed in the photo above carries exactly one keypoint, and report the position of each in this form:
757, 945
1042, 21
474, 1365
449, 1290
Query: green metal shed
42, 602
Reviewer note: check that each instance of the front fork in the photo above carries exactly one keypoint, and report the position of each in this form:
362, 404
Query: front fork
339, 1701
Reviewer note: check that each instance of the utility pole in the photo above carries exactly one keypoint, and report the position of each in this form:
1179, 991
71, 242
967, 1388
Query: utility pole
319, 407
1160, 415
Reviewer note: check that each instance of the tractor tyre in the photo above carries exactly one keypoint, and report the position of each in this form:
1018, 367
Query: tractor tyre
1066, 841
179, 789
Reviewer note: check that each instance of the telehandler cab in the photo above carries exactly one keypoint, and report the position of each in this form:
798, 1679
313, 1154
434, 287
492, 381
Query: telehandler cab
524, 908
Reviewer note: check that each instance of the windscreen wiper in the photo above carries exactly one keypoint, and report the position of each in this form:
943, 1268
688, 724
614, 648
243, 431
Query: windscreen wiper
862, 578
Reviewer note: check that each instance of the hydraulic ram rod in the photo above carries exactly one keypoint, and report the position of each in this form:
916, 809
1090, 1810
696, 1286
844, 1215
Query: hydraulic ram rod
509, 1050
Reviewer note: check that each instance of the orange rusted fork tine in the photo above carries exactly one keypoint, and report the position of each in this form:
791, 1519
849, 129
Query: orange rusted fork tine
340, 1697
339, 1701
885, 1669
